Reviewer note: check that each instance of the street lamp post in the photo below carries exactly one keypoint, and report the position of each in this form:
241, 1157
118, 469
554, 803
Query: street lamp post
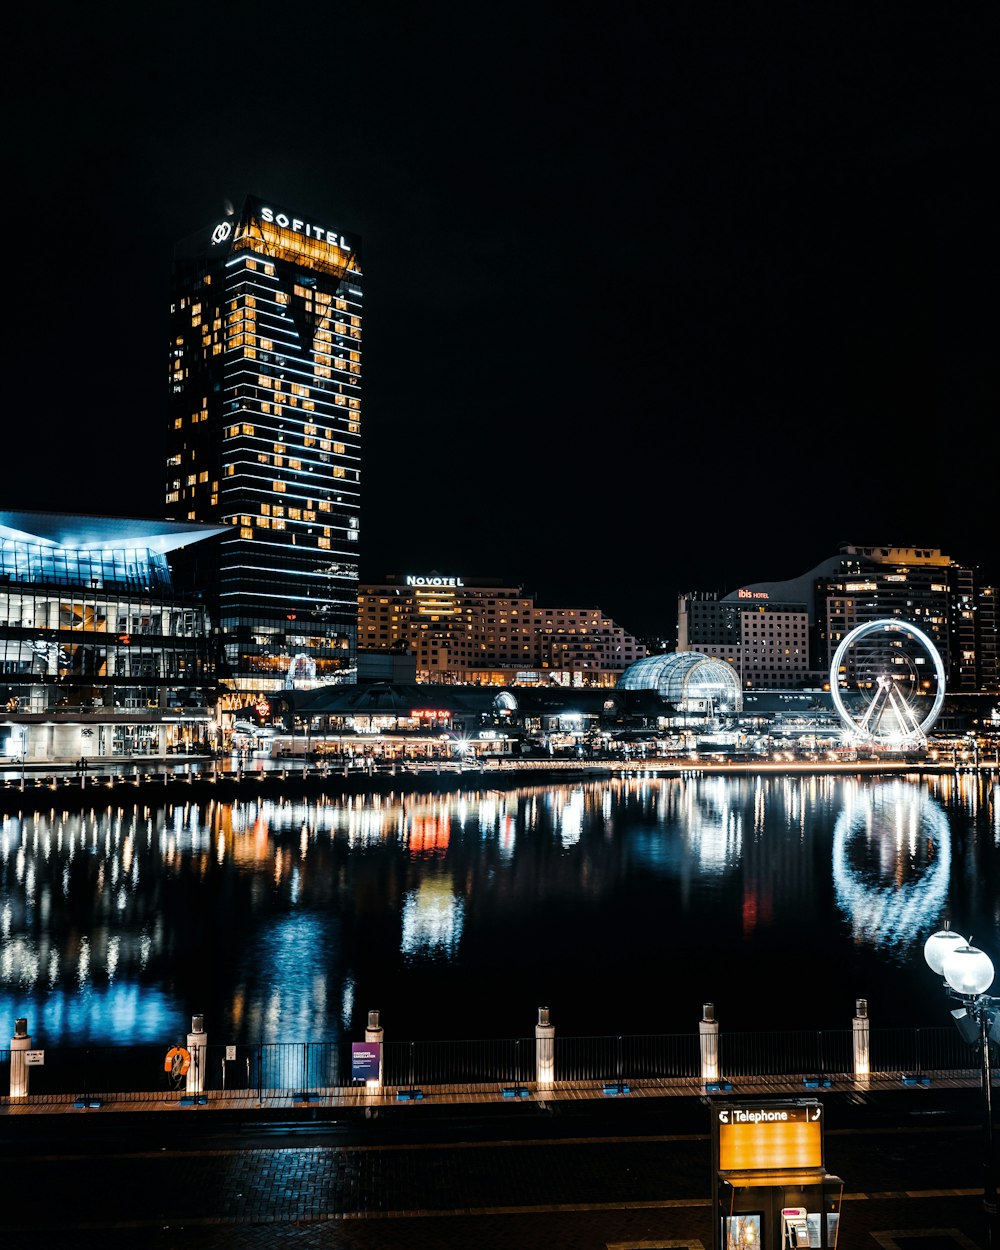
968, 974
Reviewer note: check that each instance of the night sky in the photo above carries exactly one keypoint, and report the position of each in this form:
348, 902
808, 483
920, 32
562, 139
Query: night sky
658, 297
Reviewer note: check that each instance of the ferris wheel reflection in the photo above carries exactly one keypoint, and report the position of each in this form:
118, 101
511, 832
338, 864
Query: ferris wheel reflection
891, 861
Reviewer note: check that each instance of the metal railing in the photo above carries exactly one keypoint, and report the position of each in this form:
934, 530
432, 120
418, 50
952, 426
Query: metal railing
272, 1070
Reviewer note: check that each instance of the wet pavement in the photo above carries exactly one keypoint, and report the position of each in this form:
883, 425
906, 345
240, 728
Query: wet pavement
607, 1177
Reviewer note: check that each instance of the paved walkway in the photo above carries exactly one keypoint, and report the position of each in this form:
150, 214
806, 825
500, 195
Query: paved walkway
621, 1178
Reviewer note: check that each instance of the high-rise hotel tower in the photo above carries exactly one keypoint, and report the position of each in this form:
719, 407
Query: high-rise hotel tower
264, 436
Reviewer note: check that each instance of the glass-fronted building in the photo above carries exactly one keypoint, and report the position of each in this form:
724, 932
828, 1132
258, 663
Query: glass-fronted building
689, 681
100, 654
264, 438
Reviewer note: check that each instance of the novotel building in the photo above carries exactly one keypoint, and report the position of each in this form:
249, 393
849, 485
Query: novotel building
264, 438
476, 631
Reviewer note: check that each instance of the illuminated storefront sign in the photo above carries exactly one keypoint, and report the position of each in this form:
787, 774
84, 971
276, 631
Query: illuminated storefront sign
752, 594
429, 713
433, 581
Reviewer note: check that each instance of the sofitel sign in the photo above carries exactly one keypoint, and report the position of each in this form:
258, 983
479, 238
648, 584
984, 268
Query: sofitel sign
275, 217
433, 581
303, 227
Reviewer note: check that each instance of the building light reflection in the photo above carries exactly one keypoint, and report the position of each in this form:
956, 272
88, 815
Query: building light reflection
432, 920
98, 903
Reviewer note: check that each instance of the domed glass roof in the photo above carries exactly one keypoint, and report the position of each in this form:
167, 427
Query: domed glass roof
684, 677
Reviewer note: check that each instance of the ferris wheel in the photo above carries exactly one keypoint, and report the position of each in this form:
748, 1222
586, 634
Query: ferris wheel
888, 684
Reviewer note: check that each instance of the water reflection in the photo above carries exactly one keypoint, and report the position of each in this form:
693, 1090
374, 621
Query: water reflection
622, 904
432, 920
891, 861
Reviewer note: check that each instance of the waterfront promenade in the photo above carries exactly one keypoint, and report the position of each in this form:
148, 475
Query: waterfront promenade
182, 777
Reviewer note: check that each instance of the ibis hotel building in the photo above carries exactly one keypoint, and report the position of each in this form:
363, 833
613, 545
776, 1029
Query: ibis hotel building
264, 439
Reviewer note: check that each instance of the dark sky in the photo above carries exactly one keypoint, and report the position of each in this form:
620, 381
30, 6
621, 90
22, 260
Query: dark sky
658, 297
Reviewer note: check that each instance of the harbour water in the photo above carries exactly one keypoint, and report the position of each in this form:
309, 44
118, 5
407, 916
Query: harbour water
621, 904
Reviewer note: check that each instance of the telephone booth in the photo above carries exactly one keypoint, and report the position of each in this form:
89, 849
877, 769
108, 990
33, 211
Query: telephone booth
770, 1186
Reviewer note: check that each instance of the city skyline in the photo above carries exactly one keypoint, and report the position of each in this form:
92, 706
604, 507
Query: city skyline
680, 303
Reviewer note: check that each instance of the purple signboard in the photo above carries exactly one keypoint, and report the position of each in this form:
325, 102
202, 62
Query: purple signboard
365, 1060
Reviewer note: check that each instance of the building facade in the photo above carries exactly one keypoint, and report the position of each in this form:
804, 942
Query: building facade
478, 632
767, 644
785, 634
100, 654
264, 438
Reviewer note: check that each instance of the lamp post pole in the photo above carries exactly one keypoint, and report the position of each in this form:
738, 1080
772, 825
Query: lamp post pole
968, 974
985, 1015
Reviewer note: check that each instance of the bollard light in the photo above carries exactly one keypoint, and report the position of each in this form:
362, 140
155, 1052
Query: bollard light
374, 1033
545, 1049
708, 1043
861, 1039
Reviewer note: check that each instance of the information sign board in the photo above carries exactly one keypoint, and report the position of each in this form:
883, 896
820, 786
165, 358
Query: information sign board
34, 1058
365, 1060
769, 1136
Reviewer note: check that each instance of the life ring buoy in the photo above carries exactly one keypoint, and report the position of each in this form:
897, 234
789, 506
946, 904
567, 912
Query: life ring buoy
178, 1061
